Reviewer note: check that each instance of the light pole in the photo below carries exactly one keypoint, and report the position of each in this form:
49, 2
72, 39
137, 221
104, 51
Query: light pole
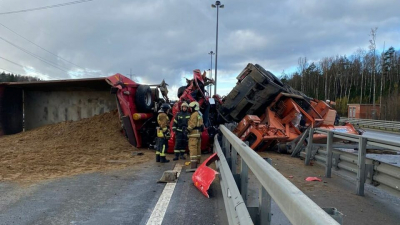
217, 5
211, 53
209, 86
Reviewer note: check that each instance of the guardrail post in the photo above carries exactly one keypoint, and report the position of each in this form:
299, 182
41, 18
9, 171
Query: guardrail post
369, 170
223, 139
298, 148
233, 160
264, 208
227, 151
361, 166
244, 180
309, 147
336, 159
227, 148
328, 168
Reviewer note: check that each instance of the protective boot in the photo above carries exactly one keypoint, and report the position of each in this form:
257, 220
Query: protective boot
176, 157
193, 164
157, 158
164, 160
182, 155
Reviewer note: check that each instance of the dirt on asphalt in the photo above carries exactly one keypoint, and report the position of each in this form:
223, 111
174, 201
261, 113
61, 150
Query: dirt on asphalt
68, 148
337, 192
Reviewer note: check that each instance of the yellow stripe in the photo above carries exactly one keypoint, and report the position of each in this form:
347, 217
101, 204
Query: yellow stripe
163, 150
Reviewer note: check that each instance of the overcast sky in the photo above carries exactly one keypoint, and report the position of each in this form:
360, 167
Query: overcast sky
167, 39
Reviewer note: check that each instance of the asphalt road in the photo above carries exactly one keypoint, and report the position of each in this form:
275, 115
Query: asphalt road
119, 197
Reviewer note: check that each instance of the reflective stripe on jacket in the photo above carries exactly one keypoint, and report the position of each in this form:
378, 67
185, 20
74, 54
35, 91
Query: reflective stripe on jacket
180, 121
195, 123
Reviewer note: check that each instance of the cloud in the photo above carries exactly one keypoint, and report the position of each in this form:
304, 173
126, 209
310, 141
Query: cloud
167, 39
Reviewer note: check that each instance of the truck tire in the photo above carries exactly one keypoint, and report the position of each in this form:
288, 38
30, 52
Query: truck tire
143, 98
181, 90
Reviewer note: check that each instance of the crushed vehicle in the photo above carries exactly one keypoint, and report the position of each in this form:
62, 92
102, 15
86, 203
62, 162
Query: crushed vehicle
270, 113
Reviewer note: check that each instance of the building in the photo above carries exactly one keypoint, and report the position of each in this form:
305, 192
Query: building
362, 111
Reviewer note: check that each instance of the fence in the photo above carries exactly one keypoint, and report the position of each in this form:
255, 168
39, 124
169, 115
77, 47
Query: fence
297, 207
374, 124
380, 174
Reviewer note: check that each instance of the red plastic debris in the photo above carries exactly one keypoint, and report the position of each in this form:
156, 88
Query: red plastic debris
313, 179
204, 175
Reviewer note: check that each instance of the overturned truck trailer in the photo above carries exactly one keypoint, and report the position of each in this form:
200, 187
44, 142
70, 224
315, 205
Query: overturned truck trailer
270, 113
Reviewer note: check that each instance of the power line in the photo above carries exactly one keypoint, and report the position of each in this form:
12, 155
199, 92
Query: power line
34, 55
46, 7
12, 62
7, 71
39, 46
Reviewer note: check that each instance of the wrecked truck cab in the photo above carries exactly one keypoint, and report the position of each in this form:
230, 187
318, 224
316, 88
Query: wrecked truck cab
137, 108
195, 90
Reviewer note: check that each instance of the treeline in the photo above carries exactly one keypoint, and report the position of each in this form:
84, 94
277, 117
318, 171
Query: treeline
363, 77
9, 77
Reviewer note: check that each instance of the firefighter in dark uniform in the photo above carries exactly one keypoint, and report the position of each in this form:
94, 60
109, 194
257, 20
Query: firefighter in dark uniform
180, 128
195, 127
163, 133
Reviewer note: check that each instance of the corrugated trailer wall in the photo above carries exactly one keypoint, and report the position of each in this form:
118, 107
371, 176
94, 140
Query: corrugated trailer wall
33, 104
49, 107
11, 110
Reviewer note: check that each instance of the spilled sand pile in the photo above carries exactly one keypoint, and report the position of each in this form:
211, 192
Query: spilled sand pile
68, 148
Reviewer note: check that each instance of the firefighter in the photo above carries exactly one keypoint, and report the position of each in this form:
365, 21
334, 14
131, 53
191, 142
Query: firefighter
195, 127
180, 128
163, 133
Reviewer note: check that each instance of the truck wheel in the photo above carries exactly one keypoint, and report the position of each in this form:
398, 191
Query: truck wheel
181, 90
143, 98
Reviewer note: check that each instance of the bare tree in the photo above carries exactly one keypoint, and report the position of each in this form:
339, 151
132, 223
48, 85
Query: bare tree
302, 67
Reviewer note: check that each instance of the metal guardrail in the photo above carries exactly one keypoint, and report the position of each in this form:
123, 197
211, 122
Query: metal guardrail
374, 124
298, 208
380, 174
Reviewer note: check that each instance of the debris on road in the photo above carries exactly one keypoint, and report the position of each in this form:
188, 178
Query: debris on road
313, 179
169, 176
204, 175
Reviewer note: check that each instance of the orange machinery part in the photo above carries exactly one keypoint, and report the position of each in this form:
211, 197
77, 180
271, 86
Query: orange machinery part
276, 124
142, 116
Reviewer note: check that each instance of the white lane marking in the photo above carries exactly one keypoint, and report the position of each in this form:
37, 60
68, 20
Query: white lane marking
158, 213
